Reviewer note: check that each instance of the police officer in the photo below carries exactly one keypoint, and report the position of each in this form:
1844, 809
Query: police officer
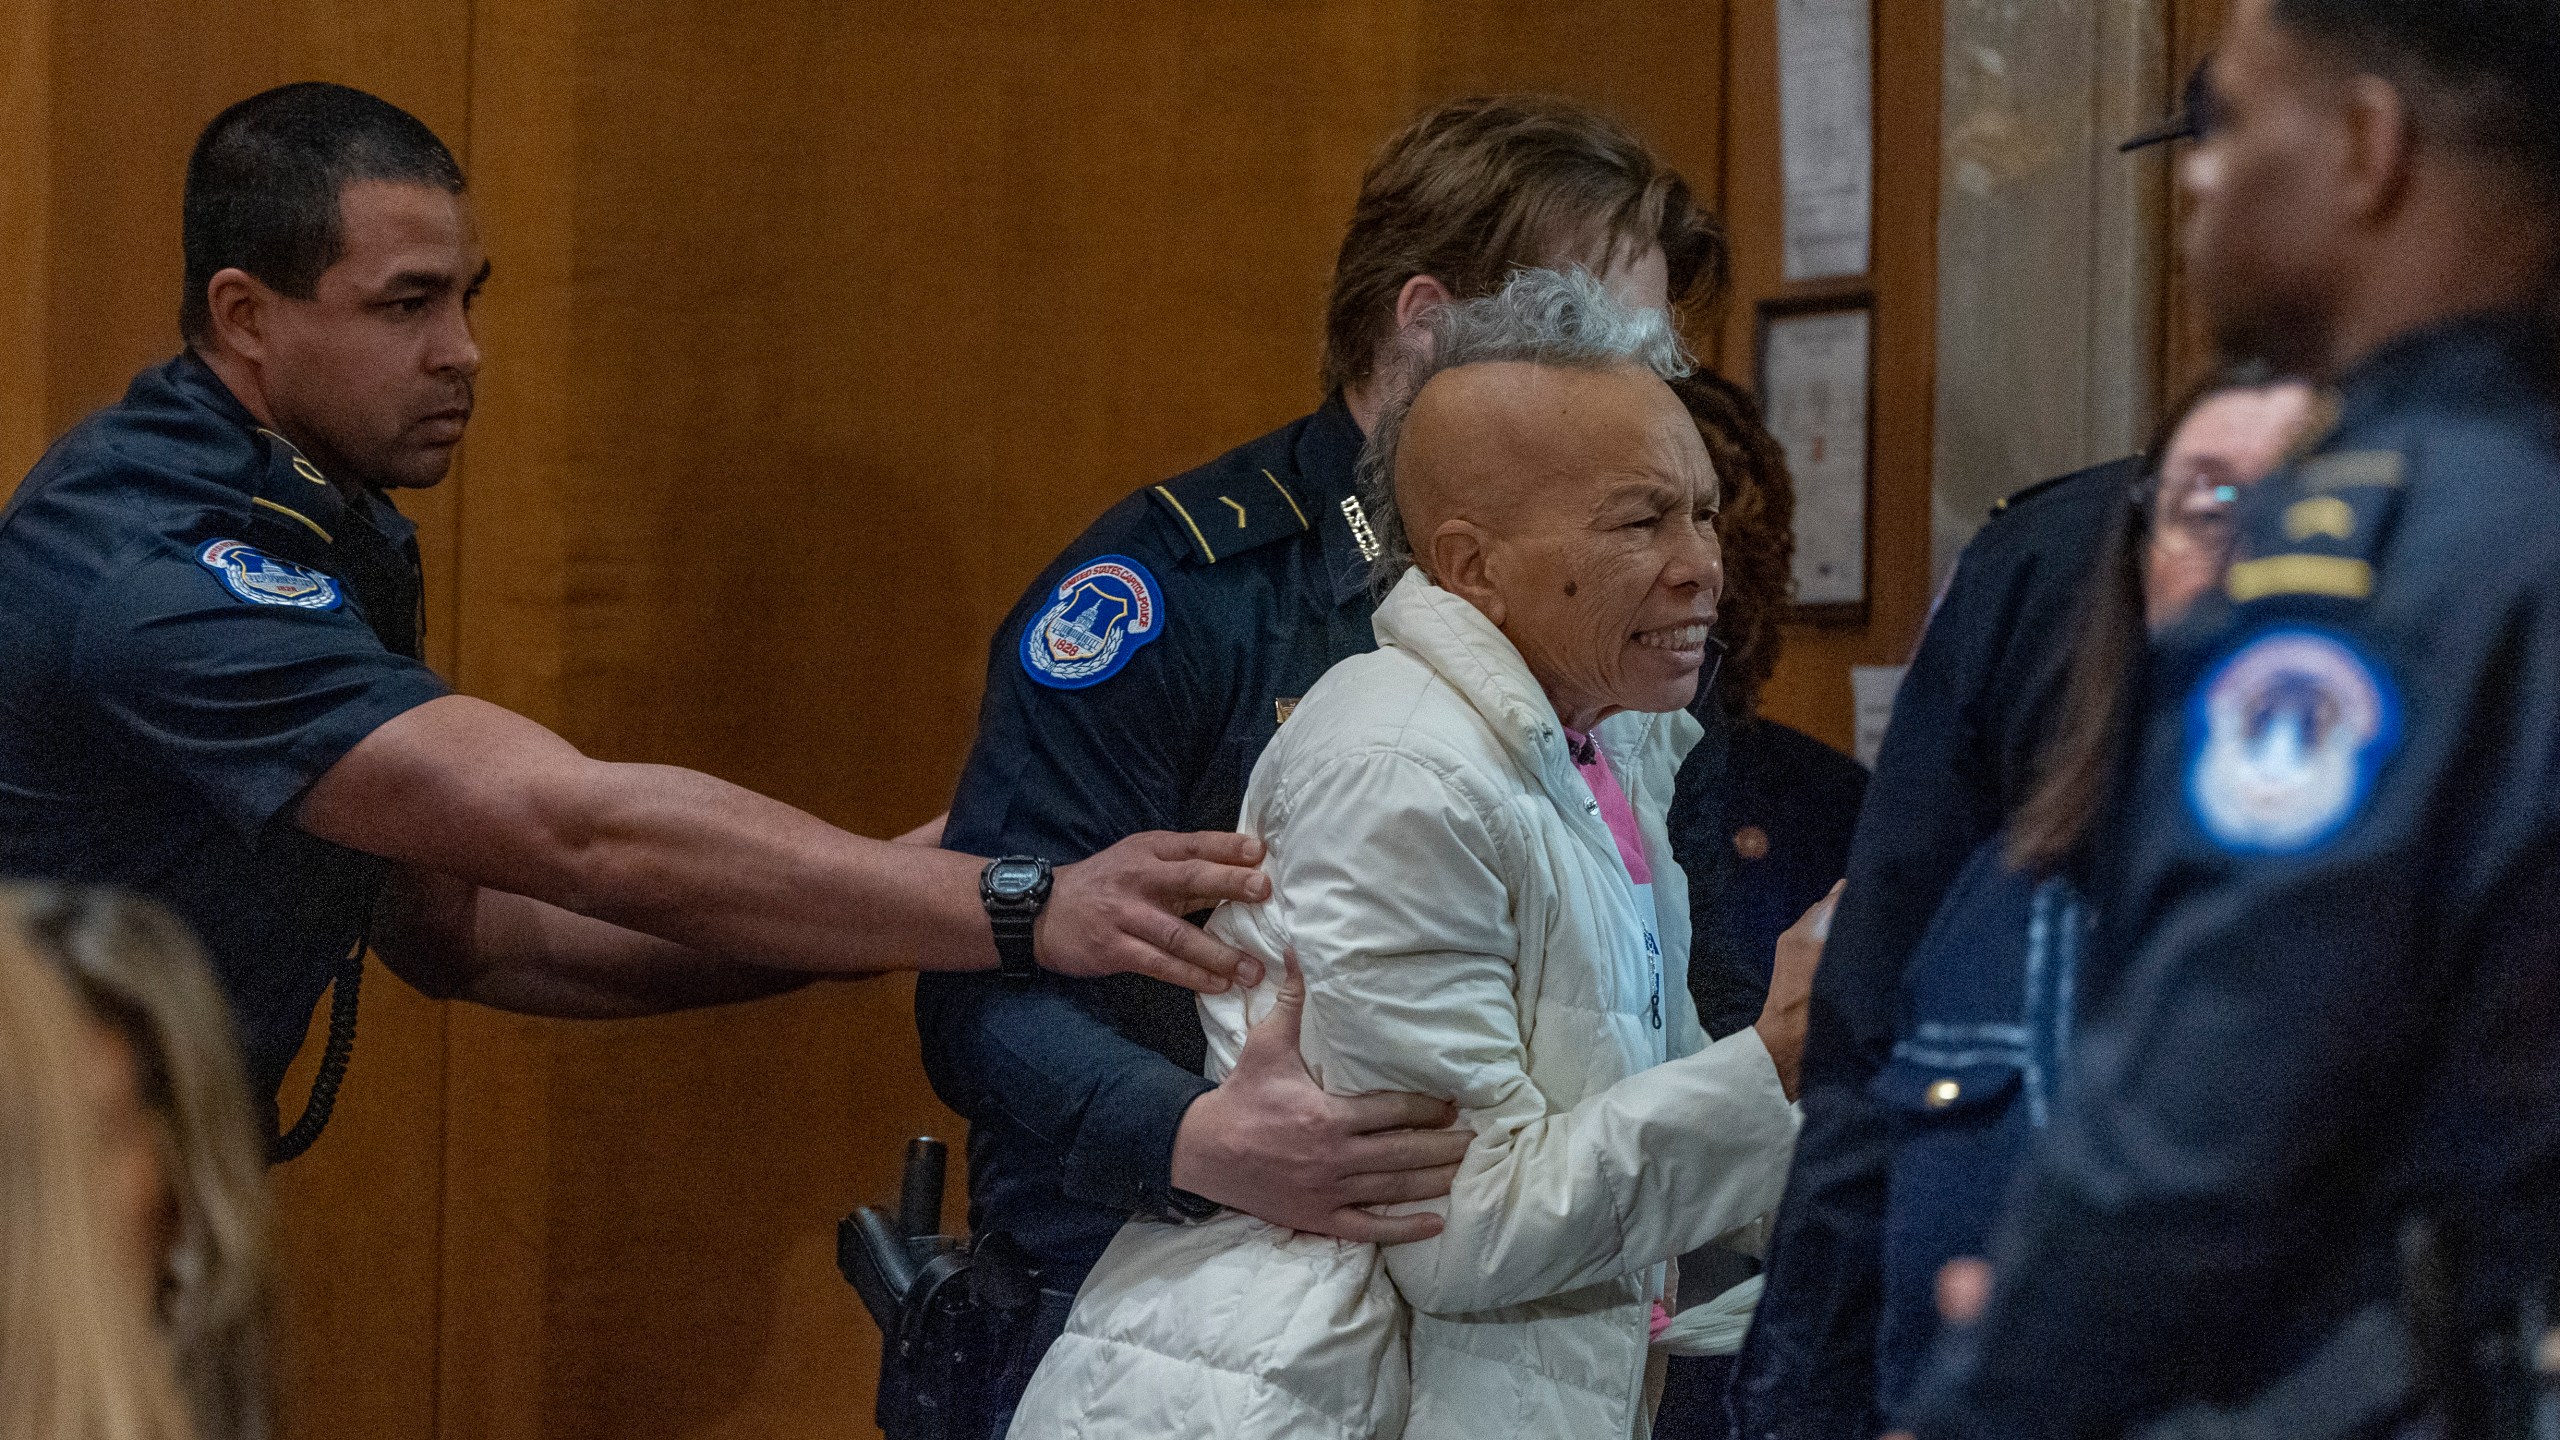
1144, 671
1973, 714
2330, 1012
211, 691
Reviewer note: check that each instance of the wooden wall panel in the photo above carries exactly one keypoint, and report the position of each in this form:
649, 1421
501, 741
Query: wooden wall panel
810, 341
815, 329
26, 177
1811, 689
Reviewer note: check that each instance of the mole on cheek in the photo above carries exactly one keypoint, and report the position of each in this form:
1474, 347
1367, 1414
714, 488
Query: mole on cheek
1571, 589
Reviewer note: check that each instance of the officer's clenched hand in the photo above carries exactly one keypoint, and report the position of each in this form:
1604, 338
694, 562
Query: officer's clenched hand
1270, 1142
1123, 909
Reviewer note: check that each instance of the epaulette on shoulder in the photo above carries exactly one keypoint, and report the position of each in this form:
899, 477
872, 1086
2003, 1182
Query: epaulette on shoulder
1224, 510
2328, 536
2127, 469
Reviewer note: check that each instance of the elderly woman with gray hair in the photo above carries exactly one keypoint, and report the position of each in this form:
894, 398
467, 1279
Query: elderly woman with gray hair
1468, 860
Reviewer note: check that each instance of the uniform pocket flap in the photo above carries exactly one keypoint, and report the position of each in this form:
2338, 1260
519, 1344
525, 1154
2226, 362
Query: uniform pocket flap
1916, 1087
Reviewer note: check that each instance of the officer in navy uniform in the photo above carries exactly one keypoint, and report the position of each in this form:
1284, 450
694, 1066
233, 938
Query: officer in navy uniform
1141, 675
245, 562
1969, 723
2327, 1019
1132, 688
1970, 726
211, 689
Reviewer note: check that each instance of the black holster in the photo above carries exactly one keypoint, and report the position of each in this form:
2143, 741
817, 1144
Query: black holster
947, 1308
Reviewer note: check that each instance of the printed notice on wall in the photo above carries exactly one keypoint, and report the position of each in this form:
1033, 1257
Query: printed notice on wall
1813, 381
1825, 125
1872, 689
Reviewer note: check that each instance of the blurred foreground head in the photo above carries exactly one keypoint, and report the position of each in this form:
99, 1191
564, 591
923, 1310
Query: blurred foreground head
175, 1194
81, 1356
2372, 165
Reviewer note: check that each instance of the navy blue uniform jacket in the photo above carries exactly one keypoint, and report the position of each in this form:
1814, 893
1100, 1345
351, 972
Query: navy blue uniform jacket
1971, 717
1074, 1089
194, 625
2331, 903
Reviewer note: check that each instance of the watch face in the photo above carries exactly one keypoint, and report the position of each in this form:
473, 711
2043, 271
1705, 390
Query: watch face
1013, 879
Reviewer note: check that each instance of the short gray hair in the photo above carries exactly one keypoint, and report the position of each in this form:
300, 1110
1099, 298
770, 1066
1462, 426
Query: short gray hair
1562, 318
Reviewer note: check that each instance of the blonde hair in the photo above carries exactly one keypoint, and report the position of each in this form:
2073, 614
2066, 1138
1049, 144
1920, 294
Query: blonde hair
80, 1355
142, 974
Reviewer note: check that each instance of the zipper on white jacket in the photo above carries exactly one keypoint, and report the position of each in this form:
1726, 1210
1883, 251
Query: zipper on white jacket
1596, 834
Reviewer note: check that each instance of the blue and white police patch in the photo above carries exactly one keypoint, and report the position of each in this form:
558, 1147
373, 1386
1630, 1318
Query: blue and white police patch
262, 579
1103, 613
2284, 740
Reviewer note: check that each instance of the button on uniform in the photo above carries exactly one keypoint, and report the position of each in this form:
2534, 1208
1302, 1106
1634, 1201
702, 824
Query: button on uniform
2325, 999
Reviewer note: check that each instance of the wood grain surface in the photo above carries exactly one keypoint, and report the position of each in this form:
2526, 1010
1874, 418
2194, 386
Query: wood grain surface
814, 330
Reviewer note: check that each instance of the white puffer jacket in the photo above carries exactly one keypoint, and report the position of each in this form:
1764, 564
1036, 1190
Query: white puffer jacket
1467, 930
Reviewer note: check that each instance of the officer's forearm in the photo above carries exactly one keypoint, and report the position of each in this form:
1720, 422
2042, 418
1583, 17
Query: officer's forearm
704, 864
453, 940
466, 789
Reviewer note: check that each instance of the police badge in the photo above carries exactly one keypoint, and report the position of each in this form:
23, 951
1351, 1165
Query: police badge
1102, 614
2285, 739
262, 579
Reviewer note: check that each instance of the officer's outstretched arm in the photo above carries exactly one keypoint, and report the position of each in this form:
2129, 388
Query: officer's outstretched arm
464, 788
458, 941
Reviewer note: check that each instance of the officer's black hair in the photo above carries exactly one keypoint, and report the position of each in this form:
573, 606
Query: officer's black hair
263, 185
2483, 73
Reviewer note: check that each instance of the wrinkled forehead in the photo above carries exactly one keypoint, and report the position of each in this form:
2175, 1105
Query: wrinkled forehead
1513, 436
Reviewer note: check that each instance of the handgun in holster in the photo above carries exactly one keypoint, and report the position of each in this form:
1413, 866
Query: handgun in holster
946, 1308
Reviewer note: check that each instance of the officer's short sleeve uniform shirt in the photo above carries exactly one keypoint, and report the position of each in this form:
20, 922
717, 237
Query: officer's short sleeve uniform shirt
195, 624
1132, 688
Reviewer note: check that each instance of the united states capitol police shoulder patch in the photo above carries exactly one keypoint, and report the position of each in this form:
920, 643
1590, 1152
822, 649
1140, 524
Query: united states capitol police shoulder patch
2285, 737
1103, 613
262, 579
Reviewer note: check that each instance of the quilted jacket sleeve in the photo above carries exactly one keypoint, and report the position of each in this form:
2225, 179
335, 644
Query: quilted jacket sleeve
1400, 901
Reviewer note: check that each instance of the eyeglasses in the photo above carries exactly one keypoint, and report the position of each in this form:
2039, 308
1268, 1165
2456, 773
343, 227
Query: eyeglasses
2195, 118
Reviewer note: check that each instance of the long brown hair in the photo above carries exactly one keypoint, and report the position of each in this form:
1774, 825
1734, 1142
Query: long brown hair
2077, 768
80, 1355
141, 973
1755, 522
1478, 188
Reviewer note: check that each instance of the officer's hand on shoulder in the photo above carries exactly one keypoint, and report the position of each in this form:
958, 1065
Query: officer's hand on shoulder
1122, 910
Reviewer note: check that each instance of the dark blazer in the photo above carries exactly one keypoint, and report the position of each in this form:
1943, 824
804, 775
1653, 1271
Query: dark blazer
1957, 758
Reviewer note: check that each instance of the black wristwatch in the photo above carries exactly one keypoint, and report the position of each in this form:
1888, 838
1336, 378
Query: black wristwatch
1013, 888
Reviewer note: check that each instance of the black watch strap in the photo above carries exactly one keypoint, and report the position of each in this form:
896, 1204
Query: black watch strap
1014, 957
1014, 888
